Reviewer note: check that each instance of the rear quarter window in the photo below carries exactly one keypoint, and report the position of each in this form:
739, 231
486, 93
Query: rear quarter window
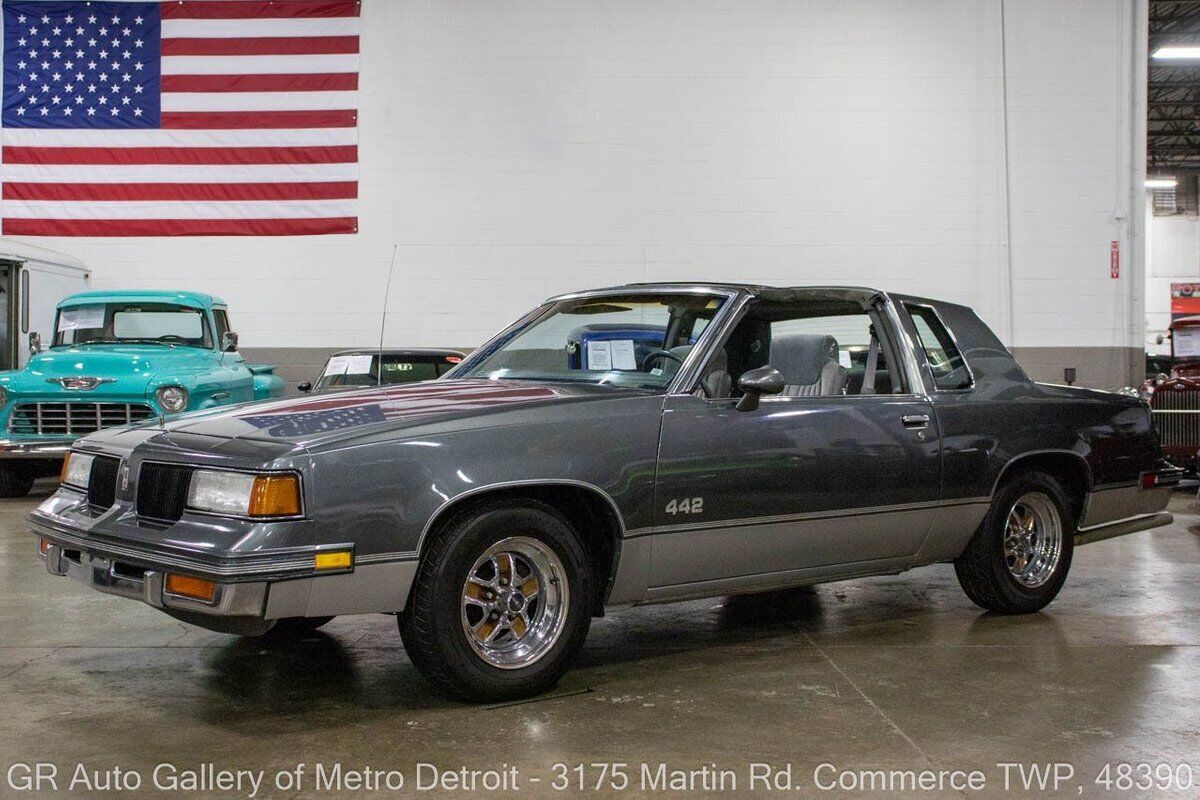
949, 369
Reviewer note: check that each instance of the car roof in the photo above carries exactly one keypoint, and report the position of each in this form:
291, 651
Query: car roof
1184, 322
718, 286
183, 298
400, 351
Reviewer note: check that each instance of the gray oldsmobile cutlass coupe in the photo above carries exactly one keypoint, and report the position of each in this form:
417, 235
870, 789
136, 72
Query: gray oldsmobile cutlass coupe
638, 444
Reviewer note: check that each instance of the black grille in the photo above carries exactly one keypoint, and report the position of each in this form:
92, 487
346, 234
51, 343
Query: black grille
102, 483
74, 418
162, 491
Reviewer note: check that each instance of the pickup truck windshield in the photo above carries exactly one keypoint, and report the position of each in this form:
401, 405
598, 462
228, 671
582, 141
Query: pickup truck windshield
160, 323
629, 340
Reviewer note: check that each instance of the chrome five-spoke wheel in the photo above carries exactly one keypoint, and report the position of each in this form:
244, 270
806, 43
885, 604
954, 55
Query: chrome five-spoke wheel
1033, 539
515, 602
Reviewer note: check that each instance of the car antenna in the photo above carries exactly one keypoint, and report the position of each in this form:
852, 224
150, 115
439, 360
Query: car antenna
387, 290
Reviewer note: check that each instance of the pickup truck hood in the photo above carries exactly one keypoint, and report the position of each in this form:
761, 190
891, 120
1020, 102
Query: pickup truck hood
325, 418
122, 368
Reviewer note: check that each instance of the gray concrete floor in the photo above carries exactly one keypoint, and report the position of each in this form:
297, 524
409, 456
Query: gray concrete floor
886, 673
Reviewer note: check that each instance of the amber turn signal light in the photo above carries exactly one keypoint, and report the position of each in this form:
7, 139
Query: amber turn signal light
43, 546
275, 496
195, 588
333, 559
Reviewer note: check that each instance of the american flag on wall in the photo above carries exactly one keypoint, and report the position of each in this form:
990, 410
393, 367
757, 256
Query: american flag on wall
186, 118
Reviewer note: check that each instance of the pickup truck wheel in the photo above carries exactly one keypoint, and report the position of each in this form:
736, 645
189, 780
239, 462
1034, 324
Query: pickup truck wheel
15, 480
501, 602
1019, 557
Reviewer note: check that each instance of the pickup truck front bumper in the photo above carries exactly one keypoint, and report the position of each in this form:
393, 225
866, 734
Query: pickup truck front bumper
38, 448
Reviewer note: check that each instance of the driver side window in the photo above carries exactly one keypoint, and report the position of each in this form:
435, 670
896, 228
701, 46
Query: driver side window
823, 347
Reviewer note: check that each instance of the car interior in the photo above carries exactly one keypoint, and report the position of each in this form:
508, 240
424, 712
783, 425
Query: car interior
823, 346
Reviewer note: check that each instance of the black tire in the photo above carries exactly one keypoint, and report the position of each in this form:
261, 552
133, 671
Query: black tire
15, 480
432, 624
983, 570
293, 628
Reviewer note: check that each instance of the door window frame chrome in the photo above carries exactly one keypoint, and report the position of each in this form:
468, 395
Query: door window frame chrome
887, 314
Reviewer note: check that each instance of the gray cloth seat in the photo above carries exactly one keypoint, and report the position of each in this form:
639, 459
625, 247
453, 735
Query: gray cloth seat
809, 365
716, 380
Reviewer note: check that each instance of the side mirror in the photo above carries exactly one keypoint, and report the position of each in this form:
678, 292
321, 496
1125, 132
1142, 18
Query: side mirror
229, 342
304, 386
35, 343
757, 382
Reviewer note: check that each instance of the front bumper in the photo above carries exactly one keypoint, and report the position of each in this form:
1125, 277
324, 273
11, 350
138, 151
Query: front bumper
252, 589
240, 607
36, 448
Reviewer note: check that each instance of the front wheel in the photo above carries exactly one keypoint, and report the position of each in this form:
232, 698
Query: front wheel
1019, 557
501, 603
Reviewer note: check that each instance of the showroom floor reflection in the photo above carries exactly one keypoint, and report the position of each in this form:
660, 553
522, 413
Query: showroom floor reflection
886, 672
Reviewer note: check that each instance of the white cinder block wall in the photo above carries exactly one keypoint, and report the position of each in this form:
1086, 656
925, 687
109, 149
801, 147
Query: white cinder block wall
514, 150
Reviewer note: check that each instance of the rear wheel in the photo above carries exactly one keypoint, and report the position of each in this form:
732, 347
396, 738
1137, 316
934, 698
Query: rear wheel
501, 603
15, 480
1019, 558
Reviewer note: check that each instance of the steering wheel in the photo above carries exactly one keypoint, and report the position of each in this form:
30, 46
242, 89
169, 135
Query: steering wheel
655, 355
171, 337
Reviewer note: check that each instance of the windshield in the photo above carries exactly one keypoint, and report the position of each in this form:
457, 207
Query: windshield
362, 369
631, 340
161, 323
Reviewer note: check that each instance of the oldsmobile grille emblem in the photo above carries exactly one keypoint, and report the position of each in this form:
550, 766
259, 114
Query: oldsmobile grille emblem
80, 383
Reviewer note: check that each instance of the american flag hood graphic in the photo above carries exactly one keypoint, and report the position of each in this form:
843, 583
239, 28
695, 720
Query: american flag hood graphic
308, 418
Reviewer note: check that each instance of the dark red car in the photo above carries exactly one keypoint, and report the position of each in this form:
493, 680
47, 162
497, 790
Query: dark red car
1175, 399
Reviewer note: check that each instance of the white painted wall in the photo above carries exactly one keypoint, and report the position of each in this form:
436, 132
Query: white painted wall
1172, 256
517, 149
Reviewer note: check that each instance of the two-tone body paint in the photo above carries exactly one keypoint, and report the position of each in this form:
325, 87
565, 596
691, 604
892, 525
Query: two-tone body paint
799, 491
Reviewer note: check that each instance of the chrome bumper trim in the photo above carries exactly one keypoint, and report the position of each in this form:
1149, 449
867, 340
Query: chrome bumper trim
103, 575
295, 563
1098, 533
45, 448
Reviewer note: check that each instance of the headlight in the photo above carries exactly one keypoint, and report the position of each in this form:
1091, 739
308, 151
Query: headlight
171, 398
3, 396
77, 469
243, 494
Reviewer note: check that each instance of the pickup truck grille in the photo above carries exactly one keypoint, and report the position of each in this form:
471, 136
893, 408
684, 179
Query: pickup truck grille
162, 491
102, 484
74, 418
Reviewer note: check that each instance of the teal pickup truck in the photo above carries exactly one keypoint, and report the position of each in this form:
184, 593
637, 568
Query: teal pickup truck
116, 358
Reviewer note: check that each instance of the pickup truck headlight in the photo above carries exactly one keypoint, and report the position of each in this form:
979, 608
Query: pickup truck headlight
77, 469
171, 399
244, 494
3, 397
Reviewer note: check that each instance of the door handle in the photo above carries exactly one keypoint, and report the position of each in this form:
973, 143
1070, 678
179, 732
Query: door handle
915, 421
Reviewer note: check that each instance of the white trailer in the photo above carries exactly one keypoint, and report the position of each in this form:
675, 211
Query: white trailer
32, 281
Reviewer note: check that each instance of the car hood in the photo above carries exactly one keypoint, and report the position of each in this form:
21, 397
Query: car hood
308, 421
125, 363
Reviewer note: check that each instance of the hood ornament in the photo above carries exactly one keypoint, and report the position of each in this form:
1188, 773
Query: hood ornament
80, 383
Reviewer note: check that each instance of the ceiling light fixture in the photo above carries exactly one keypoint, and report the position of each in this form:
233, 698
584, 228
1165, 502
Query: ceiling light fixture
1160, 183
1176, 52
